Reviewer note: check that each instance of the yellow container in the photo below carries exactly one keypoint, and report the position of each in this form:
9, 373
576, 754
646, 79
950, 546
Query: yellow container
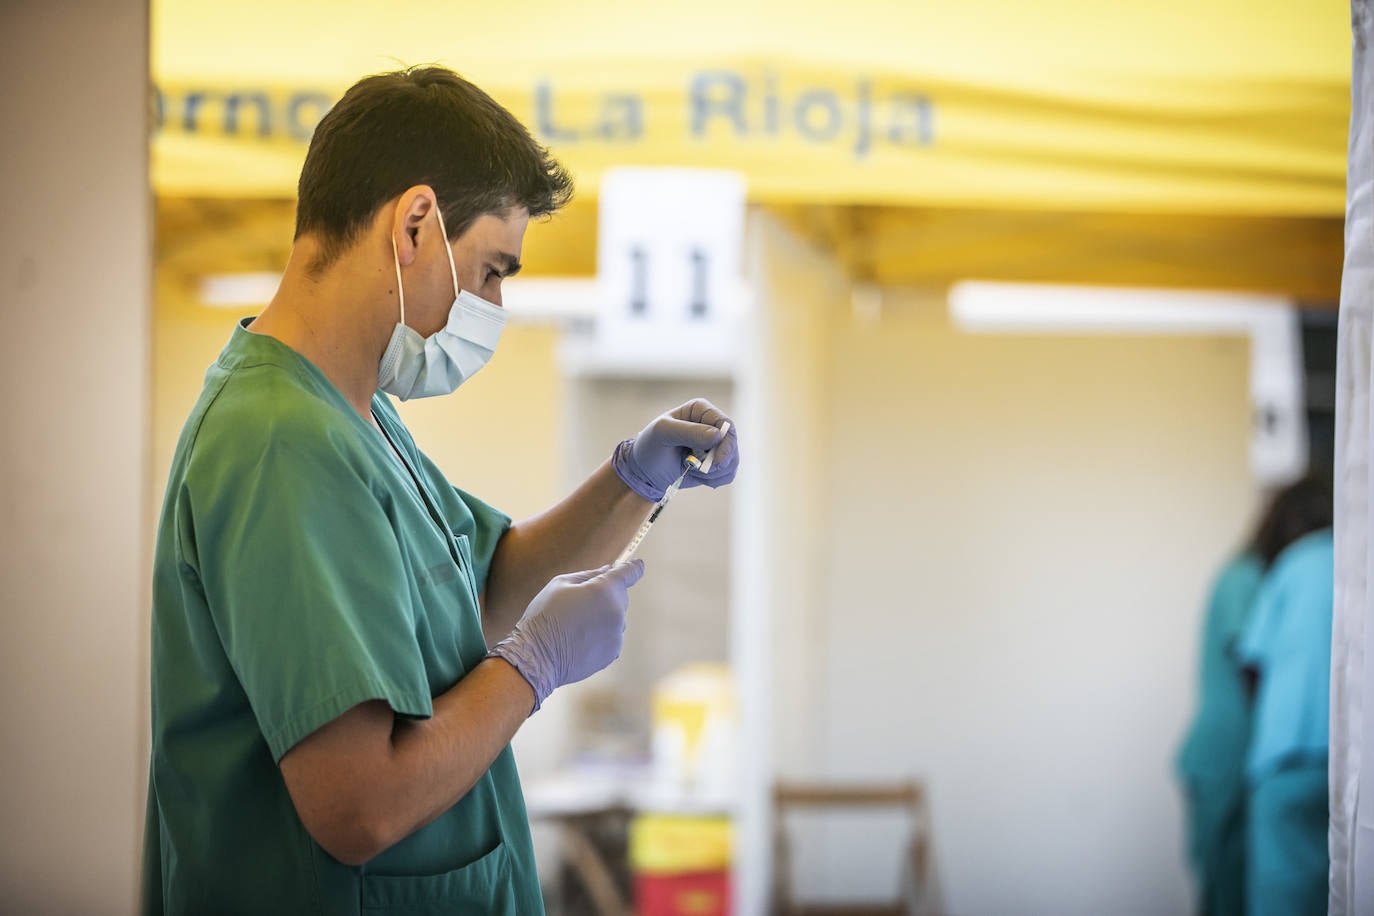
693, 732
672, 844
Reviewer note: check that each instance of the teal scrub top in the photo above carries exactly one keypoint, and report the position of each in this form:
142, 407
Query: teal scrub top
301, 570
1211, 764
1288, 641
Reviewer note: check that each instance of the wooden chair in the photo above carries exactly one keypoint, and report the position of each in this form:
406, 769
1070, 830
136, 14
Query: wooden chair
920, 896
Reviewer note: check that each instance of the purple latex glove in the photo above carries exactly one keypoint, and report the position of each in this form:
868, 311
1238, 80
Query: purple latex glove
572, 629
651, 461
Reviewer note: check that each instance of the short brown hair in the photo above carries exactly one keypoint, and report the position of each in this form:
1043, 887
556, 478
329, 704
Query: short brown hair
421, 125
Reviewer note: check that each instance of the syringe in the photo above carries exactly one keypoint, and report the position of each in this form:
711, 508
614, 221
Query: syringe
691, 463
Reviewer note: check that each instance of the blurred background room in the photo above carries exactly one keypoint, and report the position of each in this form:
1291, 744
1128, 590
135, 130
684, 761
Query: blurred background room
1023, 309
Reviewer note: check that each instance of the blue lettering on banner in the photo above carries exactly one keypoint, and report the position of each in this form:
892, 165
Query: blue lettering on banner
544, 124
913, 120
241, 113
231, 112
619, 118
817, 115
718, 93
771, 106
190, 102
818, 100
622, 118
304, 111
159, 106
863, 106
861, 118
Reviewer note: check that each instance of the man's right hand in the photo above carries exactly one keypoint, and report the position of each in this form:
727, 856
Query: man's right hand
369, 778
572, 629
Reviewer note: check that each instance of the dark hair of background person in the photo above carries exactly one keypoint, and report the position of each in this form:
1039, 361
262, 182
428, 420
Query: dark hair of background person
1296, 510
421, 125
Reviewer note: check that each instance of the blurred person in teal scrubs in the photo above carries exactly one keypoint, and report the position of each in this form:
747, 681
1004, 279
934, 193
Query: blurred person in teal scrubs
1211, 763
1286, 646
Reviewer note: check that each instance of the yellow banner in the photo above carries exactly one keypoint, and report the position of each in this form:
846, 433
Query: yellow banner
1116, 127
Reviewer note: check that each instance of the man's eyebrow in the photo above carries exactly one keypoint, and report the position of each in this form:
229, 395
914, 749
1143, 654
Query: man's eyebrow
510, 264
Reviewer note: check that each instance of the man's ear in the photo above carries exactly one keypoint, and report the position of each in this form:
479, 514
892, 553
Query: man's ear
413, 215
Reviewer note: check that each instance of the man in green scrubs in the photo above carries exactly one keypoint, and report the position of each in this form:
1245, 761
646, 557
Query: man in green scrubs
343, 643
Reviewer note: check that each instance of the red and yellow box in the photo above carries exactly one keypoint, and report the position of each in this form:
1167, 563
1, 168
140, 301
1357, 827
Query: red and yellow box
681, 865
699, 894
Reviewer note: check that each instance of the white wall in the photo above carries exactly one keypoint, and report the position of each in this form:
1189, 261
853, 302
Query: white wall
1021, 531
796, 288
990, 577
74, 266
775, 600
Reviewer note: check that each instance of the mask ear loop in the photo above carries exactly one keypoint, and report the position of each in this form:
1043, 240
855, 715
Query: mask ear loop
400, 290
453, 271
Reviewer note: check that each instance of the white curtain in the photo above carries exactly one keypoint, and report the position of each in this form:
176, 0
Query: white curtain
1352, 694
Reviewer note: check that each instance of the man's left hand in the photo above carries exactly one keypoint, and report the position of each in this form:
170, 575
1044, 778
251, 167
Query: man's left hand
652, 460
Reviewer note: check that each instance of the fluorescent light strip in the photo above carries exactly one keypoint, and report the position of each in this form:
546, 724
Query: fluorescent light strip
985, 307
232, 291
531, 300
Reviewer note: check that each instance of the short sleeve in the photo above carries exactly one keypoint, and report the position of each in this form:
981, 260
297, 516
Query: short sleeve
484, 532
1233, 599
304, 579
1257, 640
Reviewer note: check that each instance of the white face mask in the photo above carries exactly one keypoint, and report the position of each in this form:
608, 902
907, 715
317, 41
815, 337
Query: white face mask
422, 367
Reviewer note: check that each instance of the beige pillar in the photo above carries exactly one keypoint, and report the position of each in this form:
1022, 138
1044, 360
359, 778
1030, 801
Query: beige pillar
74, 365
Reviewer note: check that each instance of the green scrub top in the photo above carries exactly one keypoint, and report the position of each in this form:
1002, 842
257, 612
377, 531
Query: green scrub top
1211, 763
300, 570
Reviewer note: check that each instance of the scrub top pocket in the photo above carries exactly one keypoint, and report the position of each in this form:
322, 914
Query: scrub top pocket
464, 548
483, 886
